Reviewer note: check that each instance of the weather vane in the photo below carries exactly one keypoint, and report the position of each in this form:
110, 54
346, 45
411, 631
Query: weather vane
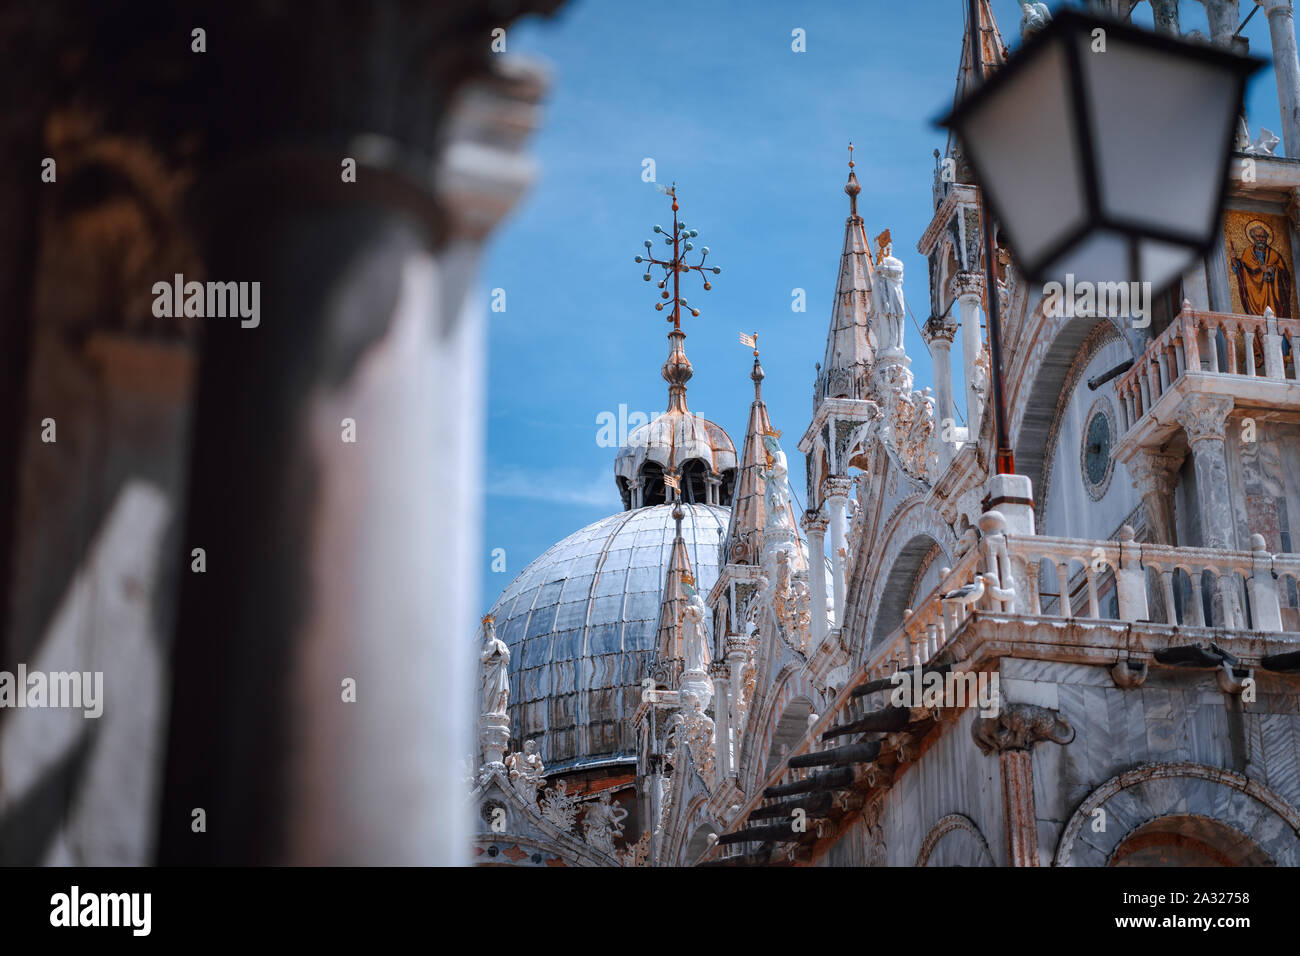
680, 239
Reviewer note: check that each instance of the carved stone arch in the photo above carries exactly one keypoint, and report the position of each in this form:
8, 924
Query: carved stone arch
699, 843
859, 446
792, 683
817, 467
1046, 353
1161, 793
966, 845
1102, 335
909, 535
690, 819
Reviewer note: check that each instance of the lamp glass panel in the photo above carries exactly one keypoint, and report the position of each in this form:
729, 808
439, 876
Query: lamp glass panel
1163, 263
1102, 256
1160, 124
1023, 144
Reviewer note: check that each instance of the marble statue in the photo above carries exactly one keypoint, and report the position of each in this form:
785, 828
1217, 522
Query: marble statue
1034, 17
695, 637
526, 771
495, 659
888, 308
776, 484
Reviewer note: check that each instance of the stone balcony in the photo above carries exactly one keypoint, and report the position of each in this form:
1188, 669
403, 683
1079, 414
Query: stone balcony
1249, 359
1218, 610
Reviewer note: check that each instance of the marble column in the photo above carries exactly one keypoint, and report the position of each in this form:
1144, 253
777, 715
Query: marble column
968, 289
323, 690
1196, 288
1156, 478
1165, 16
835, 492
1216, 281
814, 526
1204, 418
1223, 18
1011, 737
1286, 69
939, 332
738, 651
713, 484
721, 722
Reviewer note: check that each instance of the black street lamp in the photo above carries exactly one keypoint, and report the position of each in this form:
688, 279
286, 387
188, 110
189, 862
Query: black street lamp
1102, 150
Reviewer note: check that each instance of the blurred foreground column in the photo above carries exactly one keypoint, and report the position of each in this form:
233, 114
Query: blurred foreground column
323, 679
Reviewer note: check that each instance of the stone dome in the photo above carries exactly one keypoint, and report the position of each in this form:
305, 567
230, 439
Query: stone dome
580, 622
682, 441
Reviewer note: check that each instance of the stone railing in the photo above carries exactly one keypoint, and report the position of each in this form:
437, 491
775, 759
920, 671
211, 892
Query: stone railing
1192, 587
1186, 587
927, 627
1245, 346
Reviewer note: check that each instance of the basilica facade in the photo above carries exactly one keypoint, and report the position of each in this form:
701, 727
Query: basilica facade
1093, 661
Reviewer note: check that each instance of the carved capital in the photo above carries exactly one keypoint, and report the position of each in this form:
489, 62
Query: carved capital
940, 328
1203, 416
814, 522
1019, 727
836, 487
1154, 473
1275, 6
967, 284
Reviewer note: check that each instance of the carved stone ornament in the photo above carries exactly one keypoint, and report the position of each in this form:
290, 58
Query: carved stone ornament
559, 807
1019, 727
603, 823
696, 731
1203, 416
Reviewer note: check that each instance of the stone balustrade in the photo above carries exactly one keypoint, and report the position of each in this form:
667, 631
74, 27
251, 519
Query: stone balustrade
1208, 343
1237, 591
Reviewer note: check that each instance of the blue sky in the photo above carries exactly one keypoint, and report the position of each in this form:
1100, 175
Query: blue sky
755, 136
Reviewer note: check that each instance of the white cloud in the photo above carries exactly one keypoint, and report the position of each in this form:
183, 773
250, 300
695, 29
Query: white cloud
556, 487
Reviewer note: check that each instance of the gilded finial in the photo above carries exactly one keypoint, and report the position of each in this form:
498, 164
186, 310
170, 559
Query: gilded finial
852, 187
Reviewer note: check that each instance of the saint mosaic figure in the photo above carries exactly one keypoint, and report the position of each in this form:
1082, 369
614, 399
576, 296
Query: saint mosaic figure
1263, 277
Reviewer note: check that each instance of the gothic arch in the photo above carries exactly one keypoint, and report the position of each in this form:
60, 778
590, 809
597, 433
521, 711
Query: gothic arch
909, 535
693, 818
1150, 793
791, 684
967, 844
789, 728
1050, 346
698, 843
1101, 335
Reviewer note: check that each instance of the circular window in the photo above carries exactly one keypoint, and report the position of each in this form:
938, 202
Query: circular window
1094, 455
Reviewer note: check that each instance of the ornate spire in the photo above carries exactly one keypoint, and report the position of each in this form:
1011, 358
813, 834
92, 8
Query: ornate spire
679, 584
849, 350
744, 541
993, 53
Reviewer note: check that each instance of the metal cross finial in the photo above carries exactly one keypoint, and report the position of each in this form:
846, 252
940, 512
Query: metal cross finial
680, 239
850, 154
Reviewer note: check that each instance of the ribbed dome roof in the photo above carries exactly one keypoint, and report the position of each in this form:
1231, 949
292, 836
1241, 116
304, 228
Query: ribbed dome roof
580, 625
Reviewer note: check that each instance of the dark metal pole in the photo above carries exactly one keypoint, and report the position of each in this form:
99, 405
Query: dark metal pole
1006, 459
